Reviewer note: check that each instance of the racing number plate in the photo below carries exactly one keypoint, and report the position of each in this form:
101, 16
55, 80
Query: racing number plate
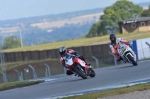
123, 49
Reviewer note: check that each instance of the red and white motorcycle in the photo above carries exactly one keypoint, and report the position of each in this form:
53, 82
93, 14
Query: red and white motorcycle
126, 53
78, 66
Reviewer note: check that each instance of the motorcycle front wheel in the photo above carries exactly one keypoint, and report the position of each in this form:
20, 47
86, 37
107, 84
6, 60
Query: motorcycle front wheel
80, 72
132, 60
92, 73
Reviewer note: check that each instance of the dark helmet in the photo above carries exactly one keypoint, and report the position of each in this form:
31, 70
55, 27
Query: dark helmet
112, 37
62, 50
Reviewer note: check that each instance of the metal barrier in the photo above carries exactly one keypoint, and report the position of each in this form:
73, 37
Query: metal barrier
19, 75
3, 67
97, 62
65, 70
4, 75
115, 61
48, 69
33, 72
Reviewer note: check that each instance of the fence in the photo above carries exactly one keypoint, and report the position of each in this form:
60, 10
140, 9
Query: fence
98, 55
99, 51
142, 48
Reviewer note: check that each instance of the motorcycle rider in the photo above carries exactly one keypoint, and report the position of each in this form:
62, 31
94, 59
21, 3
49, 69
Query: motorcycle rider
113, 46
62, 51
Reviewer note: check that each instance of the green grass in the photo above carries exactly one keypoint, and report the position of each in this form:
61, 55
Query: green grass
55, 45
11, 65
11, 85
80, 42
139, 87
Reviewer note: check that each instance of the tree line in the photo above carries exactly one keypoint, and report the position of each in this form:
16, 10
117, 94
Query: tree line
121, 10
36, 36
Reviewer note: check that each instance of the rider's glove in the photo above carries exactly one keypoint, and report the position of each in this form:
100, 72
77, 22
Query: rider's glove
117, 53
77, 54
64, 64
129, 44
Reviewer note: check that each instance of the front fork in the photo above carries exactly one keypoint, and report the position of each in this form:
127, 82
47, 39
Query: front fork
83, 69
132, 53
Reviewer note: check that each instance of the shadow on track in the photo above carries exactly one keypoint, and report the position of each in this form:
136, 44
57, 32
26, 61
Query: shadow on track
125, 67
76, 79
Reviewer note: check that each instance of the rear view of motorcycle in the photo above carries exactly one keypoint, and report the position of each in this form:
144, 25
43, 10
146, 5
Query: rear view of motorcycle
78, 66
126, 53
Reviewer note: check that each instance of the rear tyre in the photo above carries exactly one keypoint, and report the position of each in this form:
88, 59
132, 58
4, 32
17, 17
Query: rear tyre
132, 60
80, 72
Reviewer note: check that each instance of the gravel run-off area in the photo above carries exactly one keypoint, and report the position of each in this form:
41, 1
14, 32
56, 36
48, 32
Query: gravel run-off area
132, 95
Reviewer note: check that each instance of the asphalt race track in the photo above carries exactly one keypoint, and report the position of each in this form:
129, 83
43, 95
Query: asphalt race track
104, 77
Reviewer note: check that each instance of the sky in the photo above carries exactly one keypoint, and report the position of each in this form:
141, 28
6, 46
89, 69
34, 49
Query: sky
13, 9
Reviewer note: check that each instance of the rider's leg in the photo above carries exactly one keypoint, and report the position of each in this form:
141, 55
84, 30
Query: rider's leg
68, 72
118, 58
81, 57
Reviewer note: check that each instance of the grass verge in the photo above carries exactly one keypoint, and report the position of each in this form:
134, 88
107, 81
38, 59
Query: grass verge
80, 42
11, 85
12, 65
139, 87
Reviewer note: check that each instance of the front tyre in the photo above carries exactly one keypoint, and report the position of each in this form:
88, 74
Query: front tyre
92, 73
132, 60
80, 72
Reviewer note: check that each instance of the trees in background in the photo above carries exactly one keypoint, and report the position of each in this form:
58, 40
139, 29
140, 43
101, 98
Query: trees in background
11, 42
93, 31
119, 11
146, 13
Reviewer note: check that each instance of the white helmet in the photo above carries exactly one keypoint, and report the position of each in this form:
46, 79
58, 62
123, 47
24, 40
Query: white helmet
62, 50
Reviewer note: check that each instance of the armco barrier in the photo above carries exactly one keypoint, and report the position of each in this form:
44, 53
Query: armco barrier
35, 55
18, 56
27, 55
43, 55
53, 53
99, 51
96, 49
106, 49
10, 57
87, 52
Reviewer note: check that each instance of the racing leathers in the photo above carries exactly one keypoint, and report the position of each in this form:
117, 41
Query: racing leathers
114, 47
70, 51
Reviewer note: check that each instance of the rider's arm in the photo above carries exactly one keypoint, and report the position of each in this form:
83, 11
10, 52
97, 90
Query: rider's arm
126, 42
72, 51
62, 61
113, 50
